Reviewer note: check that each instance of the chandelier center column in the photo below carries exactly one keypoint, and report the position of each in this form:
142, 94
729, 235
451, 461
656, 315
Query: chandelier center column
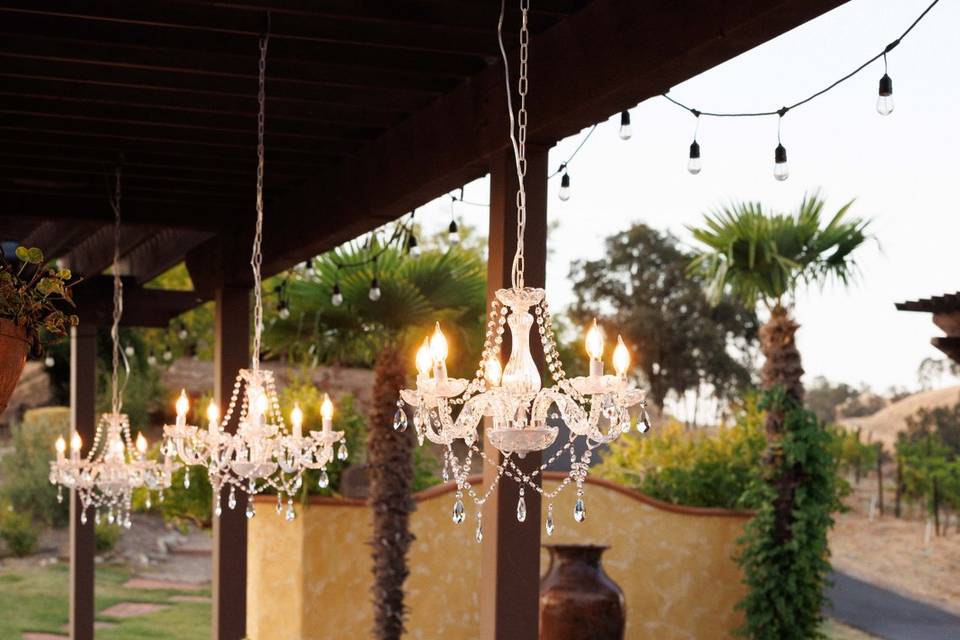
510, 564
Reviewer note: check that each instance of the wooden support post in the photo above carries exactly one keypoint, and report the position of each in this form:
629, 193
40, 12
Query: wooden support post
231, 353
510, 564
880, 478
83, 420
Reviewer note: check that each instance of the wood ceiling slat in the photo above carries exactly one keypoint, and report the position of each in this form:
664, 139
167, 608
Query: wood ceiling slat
201, 46
302, 30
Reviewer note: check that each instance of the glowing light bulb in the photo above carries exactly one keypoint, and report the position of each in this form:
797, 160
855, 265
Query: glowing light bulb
694, 165
167, 354
129, 350
374, 293
261, 402
141, 444
61, 445
183, 404
413, 247
183, 333
492, 371
438, 345
48, 362
780, 169
76, 442
626, 131
213, 413
621, 357
152, 359
594, 342
564, 193
885, 97
296, 419
283, 309
326, 409
424, 358
336, 298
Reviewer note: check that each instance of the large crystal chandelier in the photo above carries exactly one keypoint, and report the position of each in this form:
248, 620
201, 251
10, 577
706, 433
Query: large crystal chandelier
115, 465
522, 414
261, 455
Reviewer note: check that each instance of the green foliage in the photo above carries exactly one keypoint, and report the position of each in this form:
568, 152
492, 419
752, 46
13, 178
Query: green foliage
141, 386
757, 255
18, 531
105, 536
850, 452
180, 504
678, 338
34, 294
699, 468
197, 322
824, 398
786, 572
26, 471
446, 287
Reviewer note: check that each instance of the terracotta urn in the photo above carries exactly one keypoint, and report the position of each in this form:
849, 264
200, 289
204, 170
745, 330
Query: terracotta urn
578, 601
13, 357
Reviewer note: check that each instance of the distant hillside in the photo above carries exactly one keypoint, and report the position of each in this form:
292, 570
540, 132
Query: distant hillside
886, 423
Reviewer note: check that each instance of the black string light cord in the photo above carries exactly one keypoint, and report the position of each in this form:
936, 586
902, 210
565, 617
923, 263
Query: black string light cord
782, 111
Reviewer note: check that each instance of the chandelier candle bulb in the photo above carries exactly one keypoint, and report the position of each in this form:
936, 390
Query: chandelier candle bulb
438, 351
61, 447
296, 419
326, 412
493, 372
594, 344
621, 358
213, 418
141, 445
183, 404
424, 361
76, 443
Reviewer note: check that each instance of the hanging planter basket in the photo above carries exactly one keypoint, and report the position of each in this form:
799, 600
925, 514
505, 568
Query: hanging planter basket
13, 357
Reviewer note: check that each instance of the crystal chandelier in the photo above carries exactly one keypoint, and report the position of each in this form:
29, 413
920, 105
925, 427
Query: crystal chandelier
261, 455
115, 466
521, 413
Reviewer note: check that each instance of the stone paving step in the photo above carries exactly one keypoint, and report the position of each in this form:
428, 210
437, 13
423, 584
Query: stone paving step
160, 585
132, 609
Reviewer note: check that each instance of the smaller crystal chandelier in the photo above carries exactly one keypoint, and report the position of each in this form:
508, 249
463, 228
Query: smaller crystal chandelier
260, 455
114, 467
522, 414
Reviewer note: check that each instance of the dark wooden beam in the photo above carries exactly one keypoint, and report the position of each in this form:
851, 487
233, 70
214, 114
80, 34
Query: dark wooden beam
94, 254
83, 420
510, 558
141, 307
160, 252
608, 56
56, 239
231, 353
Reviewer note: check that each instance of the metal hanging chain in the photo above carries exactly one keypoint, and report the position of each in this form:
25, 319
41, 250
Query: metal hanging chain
256, 260
518, 128
117, 396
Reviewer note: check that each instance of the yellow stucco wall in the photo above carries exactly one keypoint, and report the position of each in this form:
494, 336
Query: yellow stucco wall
310, 579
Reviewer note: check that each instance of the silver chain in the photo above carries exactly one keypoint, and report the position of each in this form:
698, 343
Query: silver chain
256, 260
116, 399
518, 127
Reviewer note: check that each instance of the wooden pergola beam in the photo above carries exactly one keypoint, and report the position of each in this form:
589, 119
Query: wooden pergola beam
579, 81
141, 307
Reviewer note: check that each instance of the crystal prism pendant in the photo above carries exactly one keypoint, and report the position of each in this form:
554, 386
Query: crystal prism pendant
342, 452
291, 514
479, 534
644, 425
279, 504
250, 510
324, 481
579, 511
400, 421
218, 510
458, 515
446, 475
550, 524
521, 509
186, 479
148, 503
60, 495
83, 518
232, 500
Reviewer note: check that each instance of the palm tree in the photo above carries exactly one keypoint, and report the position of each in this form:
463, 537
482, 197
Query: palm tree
415, 293
762, 257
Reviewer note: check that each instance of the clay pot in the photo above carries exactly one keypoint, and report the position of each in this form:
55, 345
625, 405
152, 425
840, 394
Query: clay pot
578, 601
13, 357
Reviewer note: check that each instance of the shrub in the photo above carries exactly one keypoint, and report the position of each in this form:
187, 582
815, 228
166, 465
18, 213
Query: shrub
180, 504
699, 468
18, 531
26, 471
105, 536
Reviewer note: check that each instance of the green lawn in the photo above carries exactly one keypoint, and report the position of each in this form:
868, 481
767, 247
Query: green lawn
36, 599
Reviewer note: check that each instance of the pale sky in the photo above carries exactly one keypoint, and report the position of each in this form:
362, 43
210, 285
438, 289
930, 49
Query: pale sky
900, 168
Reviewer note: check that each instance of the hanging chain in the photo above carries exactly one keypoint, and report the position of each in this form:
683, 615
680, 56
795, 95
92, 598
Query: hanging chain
116, 399
256, 259
518, 128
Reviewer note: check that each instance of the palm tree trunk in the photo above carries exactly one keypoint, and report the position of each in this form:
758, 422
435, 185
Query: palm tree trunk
781, 368
390, 463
